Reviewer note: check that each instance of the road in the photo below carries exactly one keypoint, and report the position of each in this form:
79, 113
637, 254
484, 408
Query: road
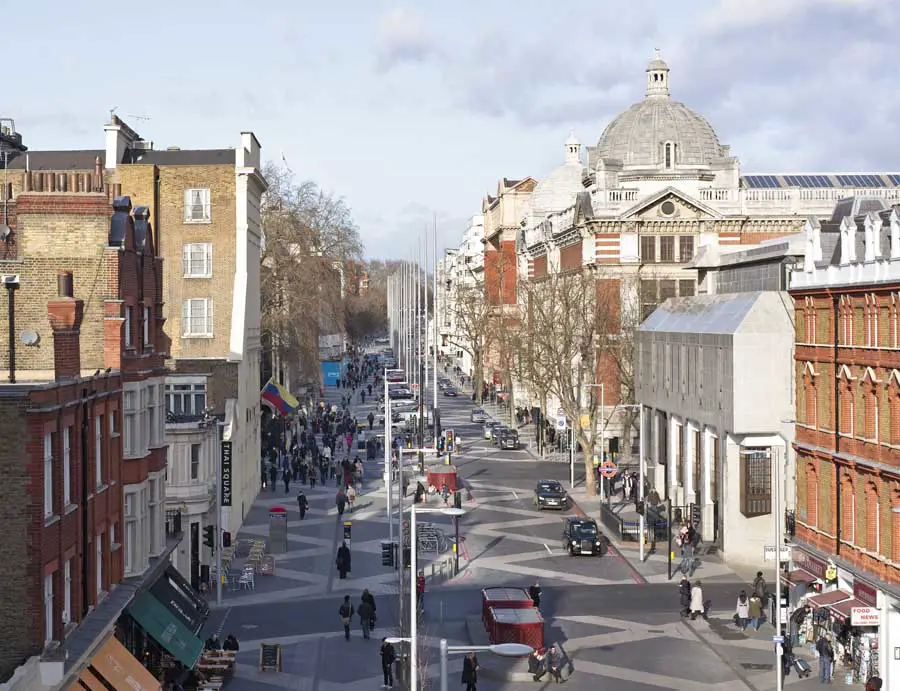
622, 631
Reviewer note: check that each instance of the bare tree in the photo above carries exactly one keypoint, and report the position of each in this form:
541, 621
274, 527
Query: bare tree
567, 325
309, 242
473, 317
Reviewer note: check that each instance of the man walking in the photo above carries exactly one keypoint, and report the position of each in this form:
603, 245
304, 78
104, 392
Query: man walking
826, 659
388, 656
346, 614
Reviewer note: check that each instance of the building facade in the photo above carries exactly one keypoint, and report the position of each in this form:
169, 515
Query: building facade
82, 403
847, 360
714, 380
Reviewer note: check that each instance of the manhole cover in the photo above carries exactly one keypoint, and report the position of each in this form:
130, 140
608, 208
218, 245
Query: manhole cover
757, 667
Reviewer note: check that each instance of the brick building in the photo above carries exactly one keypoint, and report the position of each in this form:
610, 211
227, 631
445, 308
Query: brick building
204, 208
847, 359
83, 404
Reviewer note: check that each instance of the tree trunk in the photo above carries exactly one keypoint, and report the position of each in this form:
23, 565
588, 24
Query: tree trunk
589, 473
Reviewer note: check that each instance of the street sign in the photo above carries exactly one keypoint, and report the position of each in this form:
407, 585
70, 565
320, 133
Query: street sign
608, 469
769, 553
561, 422
864, 616
778, 639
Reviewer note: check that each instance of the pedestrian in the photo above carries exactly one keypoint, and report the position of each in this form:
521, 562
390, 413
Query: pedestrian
420, 590
342, 561
351, 496
388, 656
742, 611
273, 476
684, 596
826, 659
534, 592
874, 684
761, 588
470, 672
366, 613
367, 597
302, 504
346, 614
341, 502
286, 477
697, 606
755, 611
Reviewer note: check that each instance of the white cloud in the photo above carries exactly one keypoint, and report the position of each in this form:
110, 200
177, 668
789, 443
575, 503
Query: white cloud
402, 37
730, 14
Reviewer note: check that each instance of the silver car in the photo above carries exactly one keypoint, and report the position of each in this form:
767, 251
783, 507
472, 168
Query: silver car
489, 428
479, 415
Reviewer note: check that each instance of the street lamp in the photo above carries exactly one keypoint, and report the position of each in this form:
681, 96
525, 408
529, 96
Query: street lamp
498, 649
388, 442
413, 595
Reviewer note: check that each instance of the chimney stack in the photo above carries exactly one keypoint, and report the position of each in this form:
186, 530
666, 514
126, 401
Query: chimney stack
65, 314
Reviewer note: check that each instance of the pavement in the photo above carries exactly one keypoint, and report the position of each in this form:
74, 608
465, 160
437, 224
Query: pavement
617, 617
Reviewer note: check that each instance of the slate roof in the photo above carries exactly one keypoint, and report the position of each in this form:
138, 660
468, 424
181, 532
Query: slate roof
58, 160
702, 314
857, 208
182, 157
83, 160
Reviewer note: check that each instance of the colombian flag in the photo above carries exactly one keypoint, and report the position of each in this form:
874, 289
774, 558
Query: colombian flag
278, 398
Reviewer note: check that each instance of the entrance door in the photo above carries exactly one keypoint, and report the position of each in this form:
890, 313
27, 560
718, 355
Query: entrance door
195, 556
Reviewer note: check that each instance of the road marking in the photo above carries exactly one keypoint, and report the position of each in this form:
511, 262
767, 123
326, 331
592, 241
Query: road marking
516, 496
549, 551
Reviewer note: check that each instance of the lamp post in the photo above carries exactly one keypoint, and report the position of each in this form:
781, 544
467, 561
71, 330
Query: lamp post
499, 649
388, 442
413, 595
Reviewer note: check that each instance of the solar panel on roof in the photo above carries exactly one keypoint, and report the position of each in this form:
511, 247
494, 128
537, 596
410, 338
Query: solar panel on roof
873, 180
762, 181
894, 178
823, 181
846, 180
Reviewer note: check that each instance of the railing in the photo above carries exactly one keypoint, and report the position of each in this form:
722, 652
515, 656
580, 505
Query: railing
630, 530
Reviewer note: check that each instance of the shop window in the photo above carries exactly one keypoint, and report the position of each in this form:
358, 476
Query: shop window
756, 482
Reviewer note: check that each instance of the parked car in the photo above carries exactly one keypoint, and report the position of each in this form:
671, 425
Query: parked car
496, 431
488, 428
582, 536
479, 415
549, 494
509, 439
450, 391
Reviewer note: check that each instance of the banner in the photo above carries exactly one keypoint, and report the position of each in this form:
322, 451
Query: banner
225, 475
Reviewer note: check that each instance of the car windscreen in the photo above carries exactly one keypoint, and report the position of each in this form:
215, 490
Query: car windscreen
549, 487
585, 530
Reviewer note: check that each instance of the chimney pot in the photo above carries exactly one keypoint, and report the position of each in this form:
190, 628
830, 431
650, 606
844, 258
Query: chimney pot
65, 284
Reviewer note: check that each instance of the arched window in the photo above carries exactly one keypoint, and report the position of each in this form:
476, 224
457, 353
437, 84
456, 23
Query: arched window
895, 526
812, 496
893, 396
870, 396
848, 510
810, 411
873, 519
847, 407
670, 154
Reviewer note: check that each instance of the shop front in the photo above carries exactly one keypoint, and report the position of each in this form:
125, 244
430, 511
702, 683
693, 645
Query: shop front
113, 667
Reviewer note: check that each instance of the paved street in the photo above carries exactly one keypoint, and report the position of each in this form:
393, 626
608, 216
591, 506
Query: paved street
616, 617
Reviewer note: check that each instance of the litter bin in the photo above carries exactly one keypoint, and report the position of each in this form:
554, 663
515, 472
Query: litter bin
278, 541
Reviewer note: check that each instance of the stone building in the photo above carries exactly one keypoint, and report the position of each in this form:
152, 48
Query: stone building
847, 366
81, 414
204, 207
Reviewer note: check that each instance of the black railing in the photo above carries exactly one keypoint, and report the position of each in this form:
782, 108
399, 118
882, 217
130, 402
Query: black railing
629, 530
173, 523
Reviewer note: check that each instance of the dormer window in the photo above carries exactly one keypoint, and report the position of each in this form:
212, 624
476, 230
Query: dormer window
669, 154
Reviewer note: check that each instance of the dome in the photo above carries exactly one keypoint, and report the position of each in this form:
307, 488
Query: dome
638, 136
557, 191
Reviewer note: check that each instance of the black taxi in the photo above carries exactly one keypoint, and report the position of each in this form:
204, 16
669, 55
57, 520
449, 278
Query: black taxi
581, 536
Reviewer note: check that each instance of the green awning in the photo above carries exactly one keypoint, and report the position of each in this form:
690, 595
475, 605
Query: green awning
166, 629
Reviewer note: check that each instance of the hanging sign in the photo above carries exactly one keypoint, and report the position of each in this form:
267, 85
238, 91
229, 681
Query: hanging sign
225, 474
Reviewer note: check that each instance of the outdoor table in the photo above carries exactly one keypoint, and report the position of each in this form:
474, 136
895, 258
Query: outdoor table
502, 598
517, 626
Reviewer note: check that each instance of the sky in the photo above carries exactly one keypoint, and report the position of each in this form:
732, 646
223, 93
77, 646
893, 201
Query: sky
414, 111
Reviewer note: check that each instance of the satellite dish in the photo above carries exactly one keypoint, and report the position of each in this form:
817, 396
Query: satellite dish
30, 337
5, 230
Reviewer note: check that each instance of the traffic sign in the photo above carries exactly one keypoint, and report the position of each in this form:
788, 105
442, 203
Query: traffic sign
778, 639
769, 553
608, 469
561, 422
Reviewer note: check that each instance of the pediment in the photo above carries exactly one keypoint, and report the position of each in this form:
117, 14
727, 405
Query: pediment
670, 204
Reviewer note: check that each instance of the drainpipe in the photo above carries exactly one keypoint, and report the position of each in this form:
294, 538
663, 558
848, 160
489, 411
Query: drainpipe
835, 312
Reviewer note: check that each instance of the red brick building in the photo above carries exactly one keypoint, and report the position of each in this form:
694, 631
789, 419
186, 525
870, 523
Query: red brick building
847, 358
83, 453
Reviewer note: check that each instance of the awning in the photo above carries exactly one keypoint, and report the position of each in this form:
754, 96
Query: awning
166, 628
176, 594
828, 599
799, 577
844, 610
118, 668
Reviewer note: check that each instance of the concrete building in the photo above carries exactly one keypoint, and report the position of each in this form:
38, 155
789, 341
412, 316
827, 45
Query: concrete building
714, 378
847, 310
82, 408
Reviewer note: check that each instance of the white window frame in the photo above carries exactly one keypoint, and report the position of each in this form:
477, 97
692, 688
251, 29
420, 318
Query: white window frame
48, 608
197, 318
67, 467
98, 450
99, 566
67, 592
145, 325
197, 205
189, 402
128, 323
130, 536
131, 423
144, 417
48, 474
192, 476
196, 259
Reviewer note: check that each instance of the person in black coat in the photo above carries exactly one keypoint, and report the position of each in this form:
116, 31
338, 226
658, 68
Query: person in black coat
470, 672
684, 595
343, 560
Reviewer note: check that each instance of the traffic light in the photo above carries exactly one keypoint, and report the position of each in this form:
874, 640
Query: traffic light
614, 445
226, 539
450, 439
387, 554
209, 536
